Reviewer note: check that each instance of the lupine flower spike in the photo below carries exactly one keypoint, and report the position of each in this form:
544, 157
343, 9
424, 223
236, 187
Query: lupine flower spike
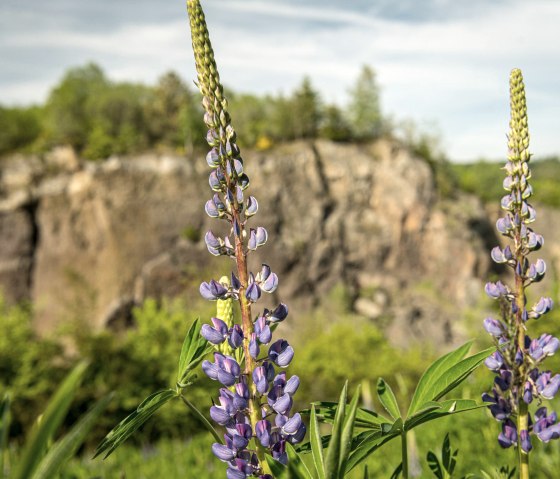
255, 402
519, 380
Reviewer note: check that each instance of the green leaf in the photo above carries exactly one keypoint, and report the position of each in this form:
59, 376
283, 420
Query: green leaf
316, 444
50, 421
347, 432
195, 347
397, 472
65, 448
456, 374
450, 406
5, 419
368, 447
333, 452
296, 466
433, 463
279, 471
132, 422
387, 398
364, 417
431, 375
366, 475
448, 456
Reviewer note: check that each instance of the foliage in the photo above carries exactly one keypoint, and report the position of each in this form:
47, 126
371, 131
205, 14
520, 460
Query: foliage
364, 110
484, 179
99, 117
19, 128
39, 459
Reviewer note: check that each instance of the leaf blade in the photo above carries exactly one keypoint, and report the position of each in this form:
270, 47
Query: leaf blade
431, 374
122, 431
333, 452
51, 420
316, 444
65, 448
387, 399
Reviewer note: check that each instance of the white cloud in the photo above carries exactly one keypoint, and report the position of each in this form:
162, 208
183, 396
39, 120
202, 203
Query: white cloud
454, 71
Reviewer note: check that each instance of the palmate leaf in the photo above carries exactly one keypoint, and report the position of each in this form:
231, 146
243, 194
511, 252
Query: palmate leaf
432, 374
65, 448
456, 374
369, 446
194, 348
50, 421
434, 465
448, 407
132, 422
387, 398
365, 418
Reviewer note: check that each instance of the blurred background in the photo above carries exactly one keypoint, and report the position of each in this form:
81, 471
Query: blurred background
372, 132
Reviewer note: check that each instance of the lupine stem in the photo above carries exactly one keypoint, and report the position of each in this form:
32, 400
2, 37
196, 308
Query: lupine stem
201, 418
523, 425
404, 454
254, 406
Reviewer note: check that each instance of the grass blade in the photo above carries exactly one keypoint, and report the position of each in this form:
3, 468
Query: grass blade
65, 448
44, 430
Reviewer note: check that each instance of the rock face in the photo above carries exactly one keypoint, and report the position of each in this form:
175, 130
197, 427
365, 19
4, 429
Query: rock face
91, 241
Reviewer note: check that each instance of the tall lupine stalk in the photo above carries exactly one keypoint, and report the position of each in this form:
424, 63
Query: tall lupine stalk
519, 382
253, 394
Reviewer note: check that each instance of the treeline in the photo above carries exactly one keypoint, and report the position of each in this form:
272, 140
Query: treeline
99, 117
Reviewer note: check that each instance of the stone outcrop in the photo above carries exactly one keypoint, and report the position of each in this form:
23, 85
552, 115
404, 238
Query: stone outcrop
89, 241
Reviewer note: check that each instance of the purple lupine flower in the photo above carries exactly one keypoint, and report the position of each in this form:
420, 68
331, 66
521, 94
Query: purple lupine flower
281, 353
518, 382
243, 414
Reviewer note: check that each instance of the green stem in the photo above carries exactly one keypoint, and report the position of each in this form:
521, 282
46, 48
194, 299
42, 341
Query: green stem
202, 419
523, 424
404, 453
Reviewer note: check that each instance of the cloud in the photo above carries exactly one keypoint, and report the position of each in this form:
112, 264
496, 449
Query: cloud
435, 60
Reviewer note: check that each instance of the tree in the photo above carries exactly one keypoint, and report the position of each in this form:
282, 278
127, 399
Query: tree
306, 110
67, 120
334, 126
364, 109
19, 127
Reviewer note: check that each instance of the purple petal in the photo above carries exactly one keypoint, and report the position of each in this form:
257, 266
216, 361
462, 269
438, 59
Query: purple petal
253, 292
210, 369
219, 415
252, 206
292, 385
292, 425
222, 452
211, 335
279, 314
270, 284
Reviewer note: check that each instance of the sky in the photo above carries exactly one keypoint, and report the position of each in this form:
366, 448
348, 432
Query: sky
442, 63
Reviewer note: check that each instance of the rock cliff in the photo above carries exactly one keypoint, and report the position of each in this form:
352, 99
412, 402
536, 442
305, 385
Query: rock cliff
92, 240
